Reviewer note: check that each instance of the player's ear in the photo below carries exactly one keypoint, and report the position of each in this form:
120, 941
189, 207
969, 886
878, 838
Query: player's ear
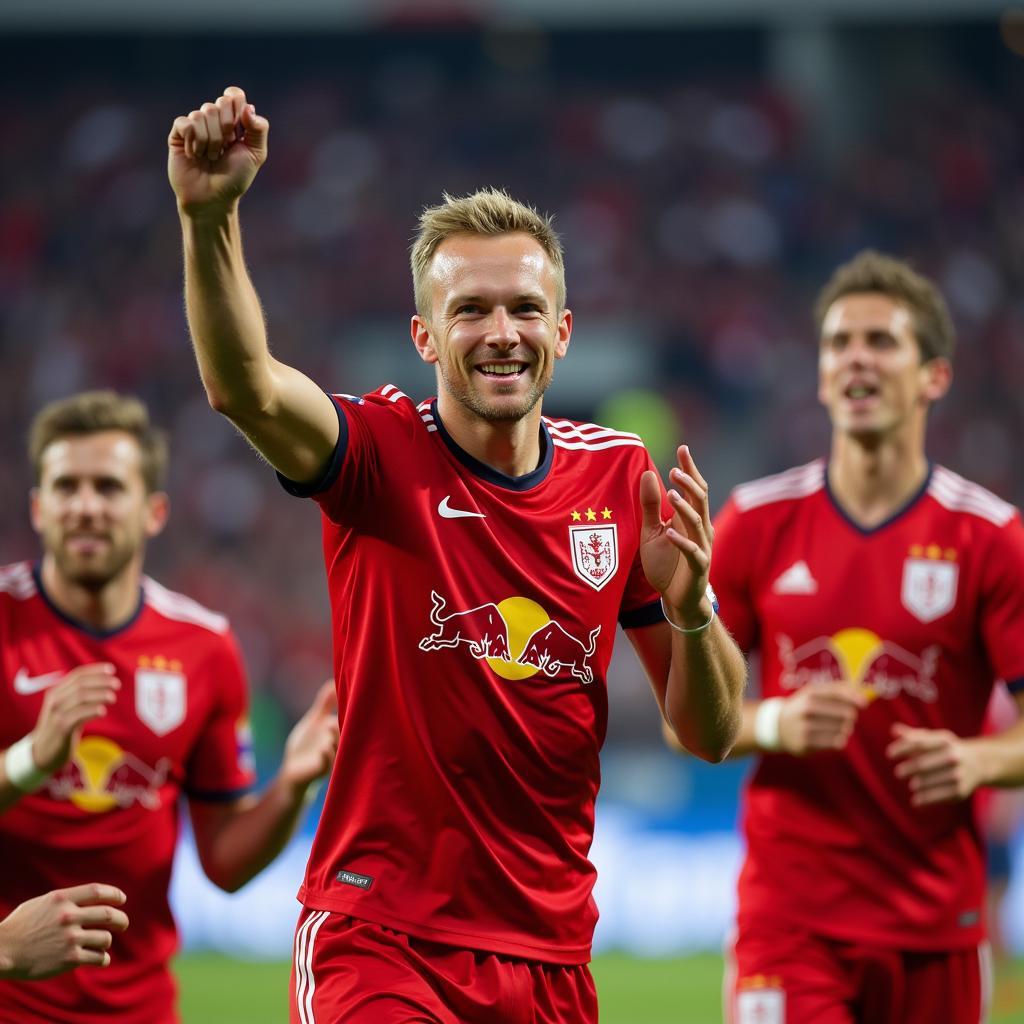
563, 333
937, 378
33, 510
158, 508
423, 339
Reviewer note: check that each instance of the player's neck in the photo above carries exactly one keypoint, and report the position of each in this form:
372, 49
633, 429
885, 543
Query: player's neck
103, 609
872, 483
512, 447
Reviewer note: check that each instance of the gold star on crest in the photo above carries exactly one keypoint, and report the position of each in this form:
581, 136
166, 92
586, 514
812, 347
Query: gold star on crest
576, 517
606, 513
591, 516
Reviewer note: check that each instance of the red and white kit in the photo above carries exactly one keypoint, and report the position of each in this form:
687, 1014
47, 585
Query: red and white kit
474, 616
924, 612
179, 725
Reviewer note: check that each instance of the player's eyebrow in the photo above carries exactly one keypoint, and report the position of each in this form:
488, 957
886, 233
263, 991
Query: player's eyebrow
483, 300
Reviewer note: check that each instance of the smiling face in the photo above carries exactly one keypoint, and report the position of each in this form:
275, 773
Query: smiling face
870, 374
494, 330
91, 509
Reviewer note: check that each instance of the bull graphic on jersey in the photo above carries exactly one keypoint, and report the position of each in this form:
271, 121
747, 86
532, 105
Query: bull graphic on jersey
881, 669
483, 629
595, 553
101, 776
516, 637
552, 649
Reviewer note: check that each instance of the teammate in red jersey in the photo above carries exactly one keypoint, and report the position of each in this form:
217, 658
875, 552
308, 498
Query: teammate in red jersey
885, 595
117, 697
478, 557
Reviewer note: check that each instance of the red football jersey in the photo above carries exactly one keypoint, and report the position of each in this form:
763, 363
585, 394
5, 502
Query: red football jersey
924, 612
473, 620
111, 814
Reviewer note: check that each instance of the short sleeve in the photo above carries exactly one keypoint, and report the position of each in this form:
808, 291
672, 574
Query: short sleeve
369, 427
1002, 605
730, 576
221, 766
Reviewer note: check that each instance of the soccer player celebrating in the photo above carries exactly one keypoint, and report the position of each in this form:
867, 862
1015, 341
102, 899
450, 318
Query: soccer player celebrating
478, 556
117, 696
885, 595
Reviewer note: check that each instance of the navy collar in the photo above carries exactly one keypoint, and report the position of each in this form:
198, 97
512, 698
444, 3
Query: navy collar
866, 531
99, 634
494, 476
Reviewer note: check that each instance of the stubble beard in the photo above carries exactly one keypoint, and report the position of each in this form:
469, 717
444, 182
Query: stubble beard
467, 397
96, 575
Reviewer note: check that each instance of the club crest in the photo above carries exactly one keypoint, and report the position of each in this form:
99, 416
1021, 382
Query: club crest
160, 699
929, 587
595, 553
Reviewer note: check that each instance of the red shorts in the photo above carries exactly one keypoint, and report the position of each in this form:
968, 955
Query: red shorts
345, 969
781, 974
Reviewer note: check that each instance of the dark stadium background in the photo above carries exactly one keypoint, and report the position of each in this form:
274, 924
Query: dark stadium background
707, 166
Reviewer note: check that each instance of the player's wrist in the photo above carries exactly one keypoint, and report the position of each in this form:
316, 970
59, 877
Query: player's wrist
768, 724
21, 768
212, 215
690, 622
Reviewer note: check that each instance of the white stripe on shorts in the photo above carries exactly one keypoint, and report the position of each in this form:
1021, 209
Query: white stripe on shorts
985, 968
304, 983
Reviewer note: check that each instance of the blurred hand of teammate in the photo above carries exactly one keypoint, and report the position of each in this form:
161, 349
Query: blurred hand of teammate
676, 555
939, 766
311, 745
819, 716
214, 152
82, 695
60, 930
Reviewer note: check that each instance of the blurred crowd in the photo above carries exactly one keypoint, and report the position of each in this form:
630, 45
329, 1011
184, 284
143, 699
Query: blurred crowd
699, 211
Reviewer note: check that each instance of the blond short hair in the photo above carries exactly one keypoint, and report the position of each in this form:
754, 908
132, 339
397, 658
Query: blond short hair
871, 272
92, 412
488, 211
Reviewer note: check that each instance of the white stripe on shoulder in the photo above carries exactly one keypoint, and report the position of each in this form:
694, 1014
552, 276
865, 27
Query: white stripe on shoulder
391, 393
958, 494
596, 446
180, 608
17, 581
798, 482
569, 429
427, 416
588, 436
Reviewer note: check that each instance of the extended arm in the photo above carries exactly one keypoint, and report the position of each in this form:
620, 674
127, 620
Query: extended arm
696, 670
236, 841
214, 154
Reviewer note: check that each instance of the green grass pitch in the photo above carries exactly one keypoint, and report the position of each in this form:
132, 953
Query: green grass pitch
219, 990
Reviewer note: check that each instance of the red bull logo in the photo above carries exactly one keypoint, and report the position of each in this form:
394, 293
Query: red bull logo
516, 637
101, 776
880, 668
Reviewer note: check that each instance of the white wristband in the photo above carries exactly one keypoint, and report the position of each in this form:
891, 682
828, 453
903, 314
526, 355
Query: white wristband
766, 723
21, 768
688, 632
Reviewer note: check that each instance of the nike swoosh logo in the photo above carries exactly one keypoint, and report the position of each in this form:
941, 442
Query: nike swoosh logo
24, 683
445, 511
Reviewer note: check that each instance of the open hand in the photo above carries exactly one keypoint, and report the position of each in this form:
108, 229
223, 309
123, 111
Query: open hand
676, 554
311, 745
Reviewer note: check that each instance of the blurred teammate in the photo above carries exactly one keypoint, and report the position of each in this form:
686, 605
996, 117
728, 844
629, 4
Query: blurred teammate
885, 594
478, 557
117, 696
61, 930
